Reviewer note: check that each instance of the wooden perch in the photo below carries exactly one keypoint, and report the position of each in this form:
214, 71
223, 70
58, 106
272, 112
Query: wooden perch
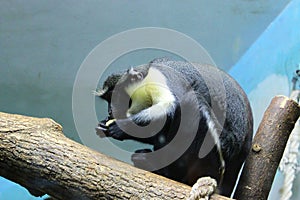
35, 153
267, 149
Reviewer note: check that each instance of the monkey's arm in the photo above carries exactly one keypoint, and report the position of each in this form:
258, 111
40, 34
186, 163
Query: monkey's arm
142, 126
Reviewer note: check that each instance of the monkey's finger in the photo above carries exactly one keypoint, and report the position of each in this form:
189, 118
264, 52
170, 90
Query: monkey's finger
102, 124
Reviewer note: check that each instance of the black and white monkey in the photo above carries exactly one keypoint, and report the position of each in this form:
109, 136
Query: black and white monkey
187, 109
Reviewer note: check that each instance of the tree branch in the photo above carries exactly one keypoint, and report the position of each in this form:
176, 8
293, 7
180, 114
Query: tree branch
35, 153
267, 149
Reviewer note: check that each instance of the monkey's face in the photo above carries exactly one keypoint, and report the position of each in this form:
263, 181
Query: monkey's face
117, 91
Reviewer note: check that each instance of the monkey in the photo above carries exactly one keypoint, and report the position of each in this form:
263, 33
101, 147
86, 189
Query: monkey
180, 106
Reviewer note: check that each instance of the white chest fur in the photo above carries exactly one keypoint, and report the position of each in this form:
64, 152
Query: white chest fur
152, 90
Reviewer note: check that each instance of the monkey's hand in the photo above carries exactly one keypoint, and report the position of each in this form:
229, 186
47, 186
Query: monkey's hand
102, 128
110, 128
203, 189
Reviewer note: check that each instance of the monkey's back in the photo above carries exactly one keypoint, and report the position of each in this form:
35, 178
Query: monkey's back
225, 96
228, 103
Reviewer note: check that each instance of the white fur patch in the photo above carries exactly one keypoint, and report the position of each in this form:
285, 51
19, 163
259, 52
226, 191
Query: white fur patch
152, 93
213, 131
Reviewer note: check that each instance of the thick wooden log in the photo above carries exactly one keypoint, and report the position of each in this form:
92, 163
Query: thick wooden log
35, 153
267, 149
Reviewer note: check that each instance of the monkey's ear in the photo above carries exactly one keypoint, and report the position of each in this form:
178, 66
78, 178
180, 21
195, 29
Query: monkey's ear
135, 75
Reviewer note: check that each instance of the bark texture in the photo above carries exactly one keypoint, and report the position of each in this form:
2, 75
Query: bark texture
267, 149
35, 153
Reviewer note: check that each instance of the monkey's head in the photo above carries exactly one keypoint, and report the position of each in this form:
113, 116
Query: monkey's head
116, 85
108, 87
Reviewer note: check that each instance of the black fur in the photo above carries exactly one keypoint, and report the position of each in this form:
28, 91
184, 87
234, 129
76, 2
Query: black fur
224, 103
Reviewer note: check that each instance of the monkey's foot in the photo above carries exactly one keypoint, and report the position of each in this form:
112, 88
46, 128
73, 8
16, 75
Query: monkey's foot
203, 189
139, 158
